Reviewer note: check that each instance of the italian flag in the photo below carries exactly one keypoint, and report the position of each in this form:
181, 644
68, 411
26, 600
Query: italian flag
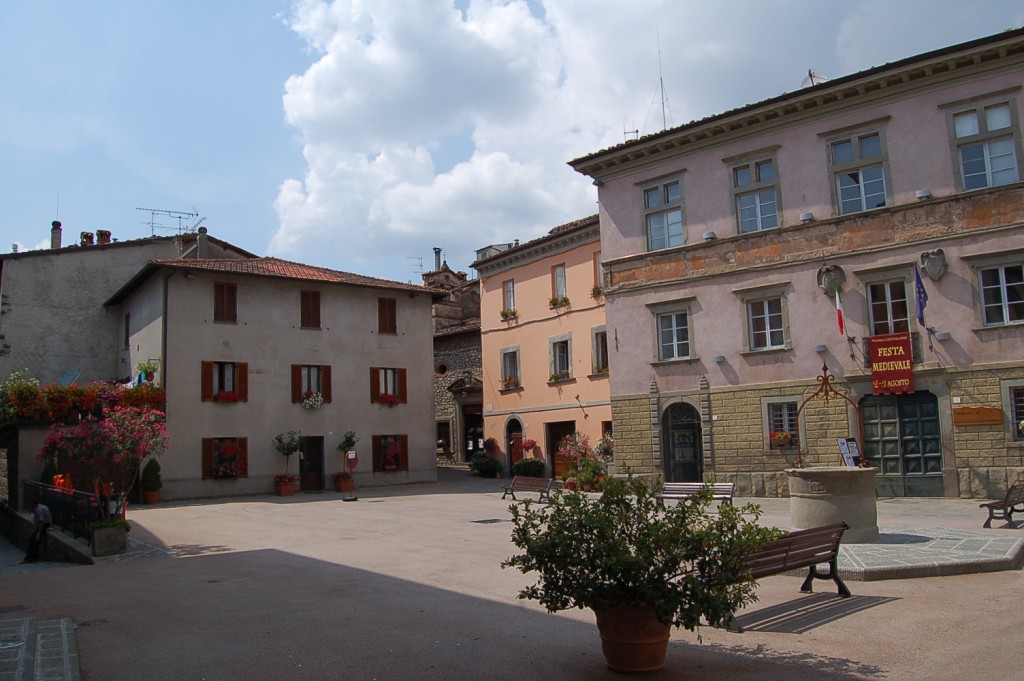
839, 311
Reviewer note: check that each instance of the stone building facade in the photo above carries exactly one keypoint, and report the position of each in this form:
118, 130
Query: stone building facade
891, 199
458, 402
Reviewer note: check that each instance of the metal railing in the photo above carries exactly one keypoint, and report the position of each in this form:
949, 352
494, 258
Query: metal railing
72, 510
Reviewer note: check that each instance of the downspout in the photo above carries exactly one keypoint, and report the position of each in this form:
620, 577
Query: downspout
163, 337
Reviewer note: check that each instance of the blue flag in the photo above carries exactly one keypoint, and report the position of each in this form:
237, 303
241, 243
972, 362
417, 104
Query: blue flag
921, 294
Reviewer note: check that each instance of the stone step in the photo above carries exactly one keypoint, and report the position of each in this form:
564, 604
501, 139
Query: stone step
32, 650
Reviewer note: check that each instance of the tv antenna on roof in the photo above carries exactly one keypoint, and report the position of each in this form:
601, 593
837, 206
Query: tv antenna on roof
419, 264
665, 107
178, 214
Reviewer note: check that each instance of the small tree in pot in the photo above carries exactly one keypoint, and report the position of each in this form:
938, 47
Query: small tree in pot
642, 565
287, 444
150, 482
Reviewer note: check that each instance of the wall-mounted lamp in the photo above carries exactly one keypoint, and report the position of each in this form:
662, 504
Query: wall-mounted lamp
806, 217
943, 335
821, 347
923, 194
719, 358
709, 236
189, 274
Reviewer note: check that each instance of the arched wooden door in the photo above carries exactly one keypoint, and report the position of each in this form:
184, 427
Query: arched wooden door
681, 449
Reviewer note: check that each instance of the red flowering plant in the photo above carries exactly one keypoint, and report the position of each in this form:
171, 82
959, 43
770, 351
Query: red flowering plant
388, 399
529, 445
107, 452
392, 454
225, 396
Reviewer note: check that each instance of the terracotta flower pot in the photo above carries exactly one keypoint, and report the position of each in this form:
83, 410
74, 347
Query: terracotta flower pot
344, 484
285, 489
151, 497
633, 639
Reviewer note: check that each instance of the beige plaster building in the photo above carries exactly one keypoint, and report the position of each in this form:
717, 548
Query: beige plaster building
545, 349
732, 243
251, 348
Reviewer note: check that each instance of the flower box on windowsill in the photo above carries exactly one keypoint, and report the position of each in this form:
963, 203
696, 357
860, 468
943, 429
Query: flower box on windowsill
388, 399
559, 378
558, 301
226, 396
312, 400
781, 440
511, 313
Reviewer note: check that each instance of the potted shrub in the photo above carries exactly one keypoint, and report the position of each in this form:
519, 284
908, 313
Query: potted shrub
486, 466
150, 483
287, 444
148, 370
343, 481
530, 468
643, 566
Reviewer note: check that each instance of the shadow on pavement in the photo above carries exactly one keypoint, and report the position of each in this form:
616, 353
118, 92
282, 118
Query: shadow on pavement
807, 612
267, 614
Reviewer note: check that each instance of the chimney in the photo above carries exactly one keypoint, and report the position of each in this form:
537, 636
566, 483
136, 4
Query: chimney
55, 234
102, 236
437, 259
201, 245
87, 238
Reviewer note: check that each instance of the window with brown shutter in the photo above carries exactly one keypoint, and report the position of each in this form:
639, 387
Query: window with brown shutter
224, 382
388, 381
390, 453
387, 315
225, 302
310, 309
310, 378
225, 458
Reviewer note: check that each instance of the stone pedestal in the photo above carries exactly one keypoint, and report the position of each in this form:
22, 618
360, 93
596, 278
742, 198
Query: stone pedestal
832, 494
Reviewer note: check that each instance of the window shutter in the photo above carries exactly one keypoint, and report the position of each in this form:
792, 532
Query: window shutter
374, 384
377, 453
207, 457
242, 381
403, 395
403, 463
219, 297
382, 315
206, 382
232, 303
296, 383
243, 456
387, 315
325, 382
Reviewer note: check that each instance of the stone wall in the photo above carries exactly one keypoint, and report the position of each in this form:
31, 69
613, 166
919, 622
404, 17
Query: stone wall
985, 458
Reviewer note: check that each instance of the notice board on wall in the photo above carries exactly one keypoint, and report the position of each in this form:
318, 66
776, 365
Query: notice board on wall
849, 450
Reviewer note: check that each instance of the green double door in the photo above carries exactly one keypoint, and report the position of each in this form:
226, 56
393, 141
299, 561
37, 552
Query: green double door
903, 440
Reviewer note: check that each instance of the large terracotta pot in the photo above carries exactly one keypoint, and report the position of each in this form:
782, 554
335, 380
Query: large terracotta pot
633, 640
286, 489
151, 497
344, 485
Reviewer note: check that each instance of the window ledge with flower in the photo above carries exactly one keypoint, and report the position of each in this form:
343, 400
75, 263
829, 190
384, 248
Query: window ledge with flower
389, 399
312, 400
510, 383
780, 439
558, 301
226, 396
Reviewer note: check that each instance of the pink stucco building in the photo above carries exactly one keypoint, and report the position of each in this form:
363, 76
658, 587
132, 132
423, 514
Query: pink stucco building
728, 244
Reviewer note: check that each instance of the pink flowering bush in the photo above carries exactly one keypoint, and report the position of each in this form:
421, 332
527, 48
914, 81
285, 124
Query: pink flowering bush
106, 452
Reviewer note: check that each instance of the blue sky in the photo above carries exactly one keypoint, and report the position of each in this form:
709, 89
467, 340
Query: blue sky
358, 135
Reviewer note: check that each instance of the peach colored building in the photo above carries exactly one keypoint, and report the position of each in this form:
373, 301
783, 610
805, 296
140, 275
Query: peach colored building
544, 345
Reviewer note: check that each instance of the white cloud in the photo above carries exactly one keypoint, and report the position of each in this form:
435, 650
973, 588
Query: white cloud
393, 84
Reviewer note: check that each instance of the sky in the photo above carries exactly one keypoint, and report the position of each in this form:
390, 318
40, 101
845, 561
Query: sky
358, 135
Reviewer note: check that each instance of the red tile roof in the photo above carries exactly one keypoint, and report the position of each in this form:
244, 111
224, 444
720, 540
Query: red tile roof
275, 267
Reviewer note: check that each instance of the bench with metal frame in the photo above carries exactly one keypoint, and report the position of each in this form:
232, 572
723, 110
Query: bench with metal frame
524, 483
722, 491
1007, 506
802, 548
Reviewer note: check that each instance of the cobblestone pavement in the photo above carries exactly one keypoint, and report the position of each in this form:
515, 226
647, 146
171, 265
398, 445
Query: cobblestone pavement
919, 538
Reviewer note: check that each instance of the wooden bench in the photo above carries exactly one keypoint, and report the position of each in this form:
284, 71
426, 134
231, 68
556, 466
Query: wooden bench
1004, 509
523, 483
721, 491
802, 548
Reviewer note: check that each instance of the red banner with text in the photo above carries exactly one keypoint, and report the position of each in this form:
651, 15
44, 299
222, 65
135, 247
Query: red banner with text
890, 364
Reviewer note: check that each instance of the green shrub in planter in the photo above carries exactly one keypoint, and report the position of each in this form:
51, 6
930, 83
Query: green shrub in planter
151, 481
486, 466
629, 546
530, 468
